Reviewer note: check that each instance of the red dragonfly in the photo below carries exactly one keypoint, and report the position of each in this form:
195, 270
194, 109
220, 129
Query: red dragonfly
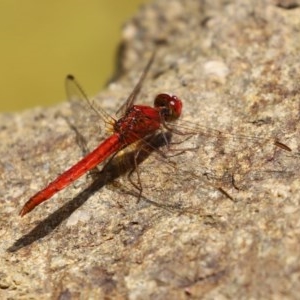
239, 157
137, 122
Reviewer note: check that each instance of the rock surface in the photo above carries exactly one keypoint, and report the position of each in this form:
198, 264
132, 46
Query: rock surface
226, 225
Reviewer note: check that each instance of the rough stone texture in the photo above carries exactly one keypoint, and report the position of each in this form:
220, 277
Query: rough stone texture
236, 66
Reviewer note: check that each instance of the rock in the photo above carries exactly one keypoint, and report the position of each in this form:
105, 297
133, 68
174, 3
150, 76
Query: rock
226, 225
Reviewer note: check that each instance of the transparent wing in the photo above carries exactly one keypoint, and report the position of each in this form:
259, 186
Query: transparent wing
204, 164
87, 119
75, 93
132, 97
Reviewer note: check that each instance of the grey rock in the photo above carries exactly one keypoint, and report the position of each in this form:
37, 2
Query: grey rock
220, 220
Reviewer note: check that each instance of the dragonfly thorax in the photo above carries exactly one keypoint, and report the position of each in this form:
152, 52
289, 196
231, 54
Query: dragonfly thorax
138, 122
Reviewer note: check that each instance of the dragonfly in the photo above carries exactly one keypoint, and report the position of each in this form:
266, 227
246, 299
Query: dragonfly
138, 123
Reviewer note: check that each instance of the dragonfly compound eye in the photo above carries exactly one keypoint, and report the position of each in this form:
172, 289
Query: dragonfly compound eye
169, 103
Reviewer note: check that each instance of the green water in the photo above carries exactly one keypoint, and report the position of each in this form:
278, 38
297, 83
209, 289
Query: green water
42, 41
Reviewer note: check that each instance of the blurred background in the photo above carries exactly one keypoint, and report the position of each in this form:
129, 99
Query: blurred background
43, 41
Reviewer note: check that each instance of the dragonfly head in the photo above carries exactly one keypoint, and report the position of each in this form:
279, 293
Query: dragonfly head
170, 106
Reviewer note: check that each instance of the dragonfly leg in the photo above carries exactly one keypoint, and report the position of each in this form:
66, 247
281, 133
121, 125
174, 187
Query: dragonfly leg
137, 185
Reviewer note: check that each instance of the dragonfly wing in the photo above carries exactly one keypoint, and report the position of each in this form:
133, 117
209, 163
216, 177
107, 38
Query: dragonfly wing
132, 97
210, 165
84, 115
77, 95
